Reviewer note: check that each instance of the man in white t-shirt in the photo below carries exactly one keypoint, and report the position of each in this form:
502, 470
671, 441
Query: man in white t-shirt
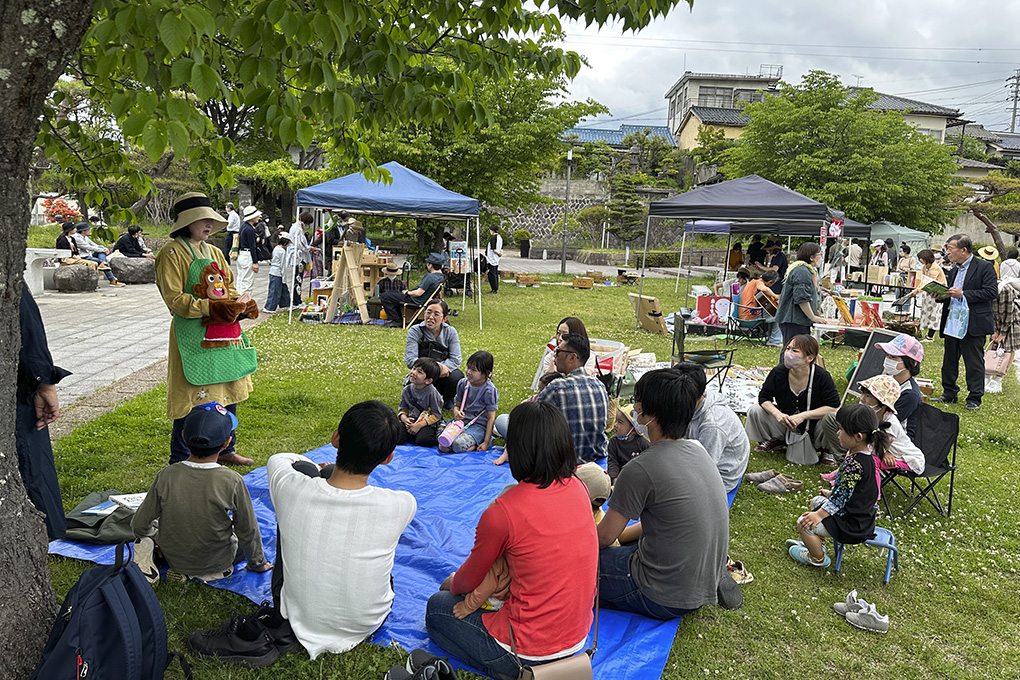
230, 238
337, 535
493, 251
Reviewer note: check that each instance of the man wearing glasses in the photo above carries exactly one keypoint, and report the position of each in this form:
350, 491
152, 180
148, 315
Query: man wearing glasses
581, 398
973, 281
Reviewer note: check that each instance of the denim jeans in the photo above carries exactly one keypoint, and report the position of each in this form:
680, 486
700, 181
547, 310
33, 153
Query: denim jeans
277, 295
467, 639
617, 589
101, 259
471, 437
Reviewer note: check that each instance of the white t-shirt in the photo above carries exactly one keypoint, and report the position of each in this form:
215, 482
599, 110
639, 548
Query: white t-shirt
901, 447
491, 255
337, 548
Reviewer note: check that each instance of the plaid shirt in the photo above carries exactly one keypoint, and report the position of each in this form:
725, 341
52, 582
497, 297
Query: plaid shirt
585, 404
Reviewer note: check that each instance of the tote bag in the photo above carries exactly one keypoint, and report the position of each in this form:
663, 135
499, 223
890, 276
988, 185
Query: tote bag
958, 318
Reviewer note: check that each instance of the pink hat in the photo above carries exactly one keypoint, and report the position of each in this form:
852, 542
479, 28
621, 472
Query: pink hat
903, 346
885, 389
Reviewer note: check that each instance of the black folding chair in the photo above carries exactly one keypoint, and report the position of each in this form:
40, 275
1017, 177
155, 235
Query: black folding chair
752, 330
937, 432
718, 359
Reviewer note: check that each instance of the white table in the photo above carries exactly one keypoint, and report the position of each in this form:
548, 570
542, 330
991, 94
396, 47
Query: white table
34, 259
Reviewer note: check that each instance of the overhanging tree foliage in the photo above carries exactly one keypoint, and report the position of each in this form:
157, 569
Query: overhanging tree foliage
822, 141
139, 58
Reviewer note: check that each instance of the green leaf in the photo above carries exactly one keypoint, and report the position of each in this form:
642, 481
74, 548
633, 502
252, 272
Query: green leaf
180, 72
287, 130
305, 134
200, 19
174, 33
139, 64
204, 81
132, 127
124, 17
179, 137
154, 137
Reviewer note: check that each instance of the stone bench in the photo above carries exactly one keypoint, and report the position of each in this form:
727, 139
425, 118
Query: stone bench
133, 269
35, 260
75, 278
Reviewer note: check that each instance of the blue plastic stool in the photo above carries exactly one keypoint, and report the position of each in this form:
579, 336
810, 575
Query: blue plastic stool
883, 539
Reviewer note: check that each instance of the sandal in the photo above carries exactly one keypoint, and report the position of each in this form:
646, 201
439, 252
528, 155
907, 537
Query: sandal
771, 445
233, 459
759, 477
781, 484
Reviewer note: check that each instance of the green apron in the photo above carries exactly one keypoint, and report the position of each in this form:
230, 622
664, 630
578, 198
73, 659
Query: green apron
209, 365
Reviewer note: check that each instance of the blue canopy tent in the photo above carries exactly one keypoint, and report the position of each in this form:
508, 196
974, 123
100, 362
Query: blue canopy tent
407, 194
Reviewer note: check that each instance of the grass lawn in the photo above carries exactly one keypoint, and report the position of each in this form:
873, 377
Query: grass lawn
953, 606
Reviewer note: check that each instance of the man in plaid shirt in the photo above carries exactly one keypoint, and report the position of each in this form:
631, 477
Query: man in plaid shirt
581, 398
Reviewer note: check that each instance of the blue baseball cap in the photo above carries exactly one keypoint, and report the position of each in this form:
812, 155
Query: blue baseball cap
208, 426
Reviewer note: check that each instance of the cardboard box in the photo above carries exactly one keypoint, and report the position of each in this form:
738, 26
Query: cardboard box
583, 282
649, 313
876, 274
595, 276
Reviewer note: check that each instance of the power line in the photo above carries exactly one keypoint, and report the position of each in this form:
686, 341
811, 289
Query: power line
603, 41
771, 44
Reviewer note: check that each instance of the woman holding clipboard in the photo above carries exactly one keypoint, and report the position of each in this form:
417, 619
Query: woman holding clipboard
931, 307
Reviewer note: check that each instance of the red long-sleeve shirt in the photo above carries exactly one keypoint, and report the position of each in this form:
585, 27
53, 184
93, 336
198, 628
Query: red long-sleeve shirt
549, 540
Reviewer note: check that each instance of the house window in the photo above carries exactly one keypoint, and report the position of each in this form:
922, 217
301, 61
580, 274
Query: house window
717, 97
937, 134
749, 96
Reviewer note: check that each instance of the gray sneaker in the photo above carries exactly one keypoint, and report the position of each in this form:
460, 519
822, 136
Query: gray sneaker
759, 477
868, 619
852, 604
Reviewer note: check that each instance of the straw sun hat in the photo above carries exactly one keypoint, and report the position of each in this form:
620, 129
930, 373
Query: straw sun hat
192, 207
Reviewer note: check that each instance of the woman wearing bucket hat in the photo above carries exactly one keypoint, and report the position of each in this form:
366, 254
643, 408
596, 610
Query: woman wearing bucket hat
196, 374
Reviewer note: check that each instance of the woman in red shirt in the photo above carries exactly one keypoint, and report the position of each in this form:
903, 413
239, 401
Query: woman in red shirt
550, 607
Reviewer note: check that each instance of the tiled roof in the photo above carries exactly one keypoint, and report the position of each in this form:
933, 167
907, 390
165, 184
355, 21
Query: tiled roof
890, 102
615, 137
1008, 142
968, 163
975, 131
710, 115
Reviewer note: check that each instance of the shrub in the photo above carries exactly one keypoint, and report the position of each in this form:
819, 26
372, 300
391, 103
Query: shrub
522, 235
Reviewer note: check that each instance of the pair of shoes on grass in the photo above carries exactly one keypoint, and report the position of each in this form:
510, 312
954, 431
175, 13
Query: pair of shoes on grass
253, 641
772, 482
422, 666
861, 614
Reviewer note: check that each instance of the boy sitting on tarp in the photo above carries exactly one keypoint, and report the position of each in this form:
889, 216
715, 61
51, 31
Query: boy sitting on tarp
193, 501
337, 536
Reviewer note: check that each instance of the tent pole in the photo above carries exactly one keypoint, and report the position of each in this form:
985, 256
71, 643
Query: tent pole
680, 262
478, 287
726, 256
641, 283
465, 277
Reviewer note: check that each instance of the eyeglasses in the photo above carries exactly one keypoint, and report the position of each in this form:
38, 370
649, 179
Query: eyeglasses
564, 351
431, 313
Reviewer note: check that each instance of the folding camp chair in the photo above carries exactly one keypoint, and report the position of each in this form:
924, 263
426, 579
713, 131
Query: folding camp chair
718, 359
737, 329
937, 432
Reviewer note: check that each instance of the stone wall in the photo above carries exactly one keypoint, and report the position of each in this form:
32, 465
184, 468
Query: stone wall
543, 220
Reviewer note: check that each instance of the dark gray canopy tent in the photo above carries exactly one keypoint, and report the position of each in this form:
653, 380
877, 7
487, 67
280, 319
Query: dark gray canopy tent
752, 205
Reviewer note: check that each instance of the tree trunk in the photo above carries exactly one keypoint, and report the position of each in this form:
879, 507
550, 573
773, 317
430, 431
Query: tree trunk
992, 230
33, 53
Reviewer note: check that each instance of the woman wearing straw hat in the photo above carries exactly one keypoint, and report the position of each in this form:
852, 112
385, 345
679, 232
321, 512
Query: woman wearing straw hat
991, 254
195, 374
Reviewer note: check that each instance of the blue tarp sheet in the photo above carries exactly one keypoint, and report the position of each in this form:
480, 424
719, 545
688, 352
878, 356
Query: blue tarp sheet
408, 194
452, 491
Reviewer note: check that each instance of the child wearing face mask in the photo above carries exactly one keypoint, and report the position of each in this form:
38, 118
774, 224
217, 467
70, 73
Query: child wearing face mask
626, 444
881, 394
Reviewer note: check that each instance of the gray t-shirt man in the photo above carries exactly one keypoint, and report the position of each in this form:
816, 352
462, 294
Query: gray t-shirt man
716, 427
673, 487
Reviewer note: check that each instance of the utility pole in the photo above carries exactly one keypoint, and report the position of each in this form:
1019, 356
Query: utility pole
1015, 79
566, 212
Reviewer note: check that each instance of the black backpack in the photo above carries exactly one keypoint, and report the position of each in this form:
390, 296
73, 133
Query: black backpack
110, 626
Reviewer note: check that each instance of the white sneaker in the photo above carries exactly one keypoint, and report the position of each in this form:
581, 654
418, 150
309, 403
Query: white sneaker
868, 619
144, 549
267, 311
852, 604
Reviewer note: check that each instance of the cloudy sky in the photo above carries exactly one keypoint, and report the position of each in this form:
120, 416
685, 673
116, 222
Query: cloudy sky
955, 53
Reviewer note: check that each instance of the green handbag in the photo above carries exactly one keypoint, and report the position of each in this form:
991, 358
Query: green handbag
102, 529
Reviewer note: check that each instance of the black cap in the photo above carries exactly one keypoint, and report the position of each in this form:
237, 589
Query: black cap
207, 427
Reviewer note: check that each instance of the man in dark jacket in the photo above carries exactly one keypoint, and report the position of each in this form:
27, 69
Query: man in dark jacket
973, 279
131, 244
36, 408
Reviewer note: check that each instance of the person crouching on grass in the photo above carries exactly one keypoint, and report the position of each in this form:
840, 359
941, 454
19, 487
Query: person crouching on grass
847, 511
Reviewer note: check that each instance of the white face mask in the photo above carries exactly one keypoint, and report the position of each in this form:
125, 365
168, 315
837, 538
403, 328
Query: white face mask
641, 429
890, 366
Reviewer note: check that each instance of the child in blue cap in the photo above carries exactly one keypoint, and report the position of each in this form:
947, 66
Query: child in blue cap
206, 523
